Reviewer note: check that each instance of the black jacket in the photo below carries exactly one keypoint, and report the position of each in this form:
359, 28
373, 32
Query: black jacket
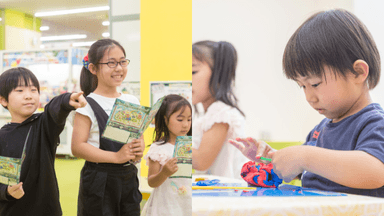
37, 173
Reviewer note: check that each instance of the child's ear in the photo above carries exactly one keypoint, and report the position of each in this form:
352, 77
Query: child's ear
166, 120
362, 69
92, 68
3, 102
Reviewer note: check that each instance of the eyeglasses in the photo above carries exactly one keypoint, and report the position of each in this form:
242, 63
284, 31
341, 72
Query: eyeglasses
113, 64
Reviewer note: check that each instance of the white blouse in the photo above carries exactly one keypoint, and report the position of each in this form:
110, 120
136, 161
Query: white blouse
230, 160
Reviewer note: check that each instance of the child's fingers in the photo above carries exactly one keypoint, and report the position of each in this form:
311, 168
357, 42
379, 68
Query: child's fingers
13, 188
253, 141
260, 149
135, 142
238, 145
271, 154
82, 101
244, 141
77, 100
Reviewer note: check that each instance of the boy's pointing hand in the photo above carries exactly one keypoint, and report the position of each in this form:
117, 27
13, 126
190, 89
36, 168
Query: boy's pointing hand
77, 100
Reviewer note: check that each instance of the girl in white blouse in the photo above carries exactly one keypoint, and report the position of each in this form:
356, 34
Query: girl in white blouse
213, 76
171, 196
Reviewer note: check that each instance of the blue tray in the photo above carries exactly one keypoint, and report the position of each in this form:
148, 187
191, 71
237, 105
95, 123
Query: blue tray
283, 190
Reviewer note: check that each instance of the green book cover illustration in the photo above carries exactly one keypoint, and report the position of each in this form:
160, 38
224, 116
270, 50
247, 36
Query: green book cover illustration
10, 168
128, 121
183, 153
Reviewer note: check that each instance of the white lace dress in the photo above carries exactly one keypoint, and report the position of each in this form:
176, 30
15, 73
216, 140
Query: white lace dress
230, 160
174, 196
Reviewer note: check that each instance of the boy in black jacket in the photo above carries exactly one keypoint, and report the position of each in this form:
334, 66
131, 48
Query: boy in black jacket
37, 193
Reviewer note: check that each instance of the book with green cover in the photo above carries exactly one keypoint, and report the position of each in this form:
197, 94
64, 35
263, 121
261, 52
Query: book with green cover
10, 168
183, 153
128, 121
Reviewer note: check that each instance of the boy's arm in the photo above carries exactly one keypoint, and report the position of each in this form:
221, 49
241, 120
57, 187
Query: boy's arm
355, 169
210, 146
60, 106
4, 196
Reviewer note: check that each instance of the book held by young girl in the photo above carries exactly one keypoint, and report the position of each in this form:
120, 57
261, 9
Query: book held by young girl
183, 153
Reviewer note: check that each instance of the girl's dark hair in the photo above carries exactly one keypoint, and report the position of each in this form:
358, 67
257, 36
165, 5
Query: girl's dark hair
222, 58
172, 103
12, 78
88, 81
334, 38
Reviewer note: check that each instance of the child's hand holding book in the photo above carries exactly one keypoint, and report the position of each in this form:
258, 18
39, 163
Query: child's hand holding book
170, 167
16, 191
124, 154
137, 148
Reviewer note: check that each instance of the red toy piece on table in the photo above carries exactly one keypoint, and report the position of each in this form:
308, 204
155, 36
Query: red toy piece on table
260, 174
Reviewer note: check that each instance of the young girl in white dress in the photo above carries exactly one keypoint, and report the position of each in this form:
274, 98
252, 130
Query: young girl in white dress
213, 76
171, 196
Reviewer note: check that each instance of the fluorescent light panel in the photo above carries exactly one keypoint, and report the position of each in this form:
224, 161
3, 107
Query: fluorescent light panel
88, 43
44, 28
105, 23
63, 37
105, 34
73, 11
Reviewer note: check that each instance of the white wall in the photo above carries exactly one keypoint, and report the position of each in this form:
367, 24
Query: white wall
126, 31
21, 39
275, 107
370, 12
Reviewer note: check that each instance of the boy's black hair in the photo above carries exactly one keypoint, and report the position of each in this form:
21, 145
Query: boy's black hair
334, 38
172, 103
88, 81
222, 58
14, 77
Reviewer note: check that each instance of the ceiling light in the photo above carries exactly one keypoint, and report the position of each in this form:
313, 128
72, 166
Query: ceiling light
44, 28
73, 11
106, 23
88, 43
105, 34
63, 37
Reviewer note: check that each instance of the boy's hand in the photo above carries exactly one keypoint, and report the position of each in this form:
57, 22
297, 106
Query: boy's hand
288, 162
77, 100
137, 148
16, 191
170, 167
124, 154
252, 148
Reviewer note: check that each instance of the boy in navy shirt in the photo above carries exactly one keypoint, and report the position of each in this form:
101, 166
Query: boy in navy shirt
334, 59
37, 193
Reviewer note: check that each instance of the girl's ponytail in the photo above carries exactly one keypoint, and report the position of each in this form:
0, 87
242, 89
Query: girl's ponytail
222, 83
88, 81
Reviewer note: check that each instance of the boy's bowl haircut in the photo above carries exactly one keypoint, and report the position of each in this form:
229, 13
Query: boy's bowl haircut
334, 38
14, 77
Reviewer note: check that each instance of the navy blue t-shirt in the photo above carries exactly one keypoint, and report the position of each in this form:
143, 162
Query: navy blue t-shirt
362, 131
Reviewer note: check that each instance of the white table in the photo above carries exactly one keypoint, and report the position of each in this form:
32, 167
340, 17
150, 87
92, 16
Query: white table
349, 205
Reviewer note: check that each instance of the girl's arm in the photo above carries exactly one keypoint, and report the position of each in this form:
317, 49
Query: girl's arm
82, 149
210, 146
157, 174
355, 169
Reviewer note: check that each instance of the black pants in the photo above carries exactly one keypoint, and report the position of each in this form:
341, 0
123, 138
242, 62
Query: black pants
109, 190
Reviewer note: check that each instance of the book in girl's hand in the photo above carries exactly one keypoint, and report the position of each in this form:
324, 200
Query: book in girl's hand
128, 121
183, 153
